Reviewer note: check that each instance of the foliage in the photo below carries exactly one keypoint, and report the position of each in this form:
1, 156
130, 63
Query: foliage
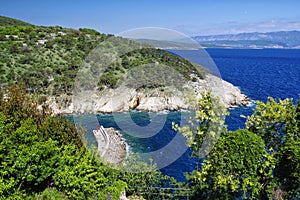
144, 179
19, 107
39, 152
50, 194
238, 166
277, 122
89, 31
289, 167
44, 157
274, 121
5, 21
47, 59
259, 162
84, 176
206, 126
152, 55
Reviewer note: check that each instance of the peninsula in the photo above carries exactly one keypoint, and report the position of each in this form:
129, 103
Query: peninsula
84, 71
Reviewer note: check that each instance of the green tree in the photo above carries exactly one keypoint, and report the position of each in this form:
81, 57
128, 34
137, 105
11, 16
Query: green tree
38, 151
145, 179
274, 121
288, 171
50, 194
2, 37
83, 176
32, 35
15, 48
238, 165
205, 127
277, 122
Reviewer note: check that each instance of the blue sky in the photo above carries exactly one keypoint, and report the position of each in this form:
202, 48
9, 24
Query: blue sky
192, 17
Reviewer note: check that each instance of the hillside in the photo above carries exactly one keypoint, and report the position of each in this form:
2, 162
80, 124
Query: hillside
56, 61
6, 21
281, 39
47, 58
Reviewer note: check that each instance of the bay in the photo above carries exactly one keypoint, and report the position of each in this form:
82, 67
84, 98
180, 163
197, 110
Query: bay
258, 73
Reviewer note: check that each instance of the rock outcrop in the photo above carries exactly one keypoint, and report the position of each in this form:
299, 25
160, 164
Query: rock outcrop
154, 99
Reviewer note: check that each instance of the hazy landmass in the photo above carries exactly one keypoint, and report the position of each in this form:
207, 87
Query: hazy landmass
280, 39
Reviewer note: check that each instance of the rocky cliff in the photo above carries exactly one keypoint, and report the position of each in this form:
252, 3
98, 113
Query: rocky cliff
156, 99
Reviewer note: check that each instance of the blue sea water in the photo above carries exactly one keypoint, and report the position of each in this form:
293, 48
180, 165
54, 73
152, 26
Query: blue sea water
259, 73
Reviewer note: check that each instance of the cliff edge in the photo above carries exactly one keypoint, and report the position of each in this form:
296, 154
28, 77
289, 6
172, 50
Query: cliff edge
153, 100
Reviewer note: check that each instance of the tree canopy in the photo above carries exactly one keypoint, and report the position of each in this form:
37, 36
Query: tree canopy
47, 59
39, 152
45, 157
259, 162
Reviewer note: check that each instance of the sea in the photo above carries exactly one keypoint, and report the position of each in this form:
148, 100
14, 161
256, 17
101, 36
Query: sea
258, 73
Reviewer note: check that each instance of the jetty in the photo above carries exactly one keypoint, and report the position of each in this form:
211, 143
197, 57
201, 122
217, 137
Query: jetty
111, 145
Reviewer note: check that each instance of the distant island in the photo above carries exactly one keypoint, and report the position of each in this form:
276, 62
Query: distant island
53, 62
280, 39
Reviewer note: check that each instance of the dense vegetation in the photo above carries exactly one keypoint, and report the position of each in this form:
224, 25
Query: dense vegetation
260, 162
144, 56
44, 157
6, 21
47, 59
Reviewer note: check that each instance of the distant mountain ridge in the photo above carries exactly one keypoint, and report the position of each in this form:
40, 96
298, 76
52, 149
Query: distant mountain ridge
281, 39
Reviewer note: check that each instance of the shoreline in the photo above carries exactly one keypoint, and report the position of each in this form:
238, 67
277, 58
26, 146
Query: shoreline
119, 149
124, 99
247, 102
111, 145
56, 111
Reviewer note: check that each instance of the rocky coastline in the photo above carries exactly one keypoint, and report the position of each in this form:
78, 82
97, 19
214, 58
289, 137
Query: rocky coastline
111, 145
151, 100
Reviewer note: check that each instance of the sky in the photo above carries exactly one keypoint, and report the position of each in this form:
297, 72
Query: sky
191, 17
